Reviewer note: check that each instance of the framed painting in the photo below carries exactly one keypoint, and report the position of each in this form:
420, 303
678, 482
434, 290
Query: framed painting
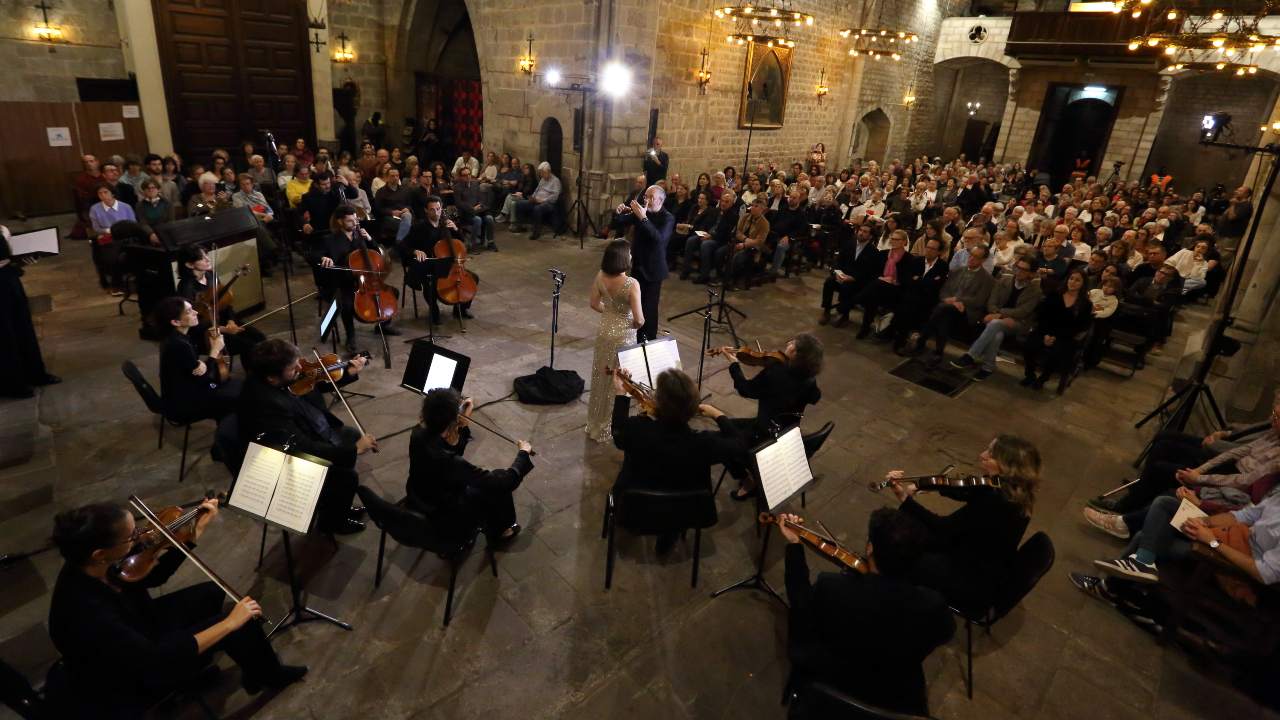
764, 87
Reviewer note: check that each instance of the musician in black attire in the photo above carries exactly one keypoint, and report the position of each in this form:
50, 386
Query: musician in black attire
268, 407
653, 227
968, 553
123, 650
21, 363
455, 495
417, 253
192, 387
782, 390
858, 263
835, 637
661, 452
195, 278
331, 254
315, 210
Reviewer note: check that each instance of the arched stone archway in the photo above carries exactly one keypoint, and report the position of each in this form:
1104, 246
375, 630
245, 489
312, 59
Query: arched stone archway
551, 145
872, 141
970, 94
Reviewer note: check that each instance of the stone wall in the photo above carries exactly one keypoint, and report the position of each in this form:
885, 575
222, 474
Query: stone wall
957, 83
36, 71
365, 23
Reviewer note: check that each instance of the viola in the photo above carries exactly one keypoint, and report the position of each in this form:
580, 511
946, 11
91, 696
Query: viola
747, 356
149, 544
459, 285
218, 298
642, 394
822, 544
375, 301
312, 372
941, 482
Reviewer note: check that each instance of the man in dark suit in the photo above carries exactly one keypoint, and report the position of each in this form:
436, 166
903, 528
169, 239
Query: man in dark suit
267, 406
653, 226
656, 163
859, 263
830, 640
963, 304
618, 222
920, 293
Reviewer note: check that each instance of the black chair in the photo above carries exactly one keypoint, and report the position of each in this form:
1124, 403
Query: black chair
828, 702
1033, 560
409, 527
152, 400
52, 701
658, 512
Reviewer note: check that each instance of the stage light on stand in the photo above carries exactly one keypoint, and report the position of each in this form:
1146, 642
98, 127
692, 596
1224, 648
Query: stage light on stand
1212, 125
615, 79
554, 76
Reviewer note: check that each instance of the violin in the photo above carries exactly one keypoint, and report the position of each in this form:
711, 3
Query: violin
747, 356
822, 544
374, 301
218, 298
941, 482
149, 543
458, 286
642, 393
211, 307
312, 372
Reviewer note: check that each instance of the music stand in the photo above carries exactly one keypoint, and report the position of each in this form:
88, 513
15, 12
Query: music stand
782, 469
724, 309
281, 488
653, 357
431, 367
329, 328
431, 336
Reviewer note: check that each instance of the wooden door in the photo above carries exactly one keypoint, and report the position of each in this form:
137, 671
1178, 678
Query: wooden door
35, 178
233, 68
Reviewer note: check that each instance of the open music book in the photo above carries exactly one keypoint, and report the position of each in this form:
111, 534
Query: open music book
278, 487
783, 468
662, 354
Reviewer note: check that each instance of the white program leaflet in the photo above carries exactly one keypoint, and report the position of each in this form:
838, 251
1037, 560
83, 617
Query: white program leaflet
440, 373
297, 493
257, 481
784, 468
1185, 512
663, 354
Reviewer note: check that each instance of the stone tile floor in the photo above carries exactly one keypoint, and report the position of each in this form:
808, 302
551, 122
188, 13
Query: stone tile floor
544, 639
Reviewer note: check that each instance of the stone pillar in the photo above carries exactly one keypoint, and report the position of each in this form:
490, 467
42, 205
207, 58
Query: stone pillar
142, 57
1007, 118
322, 88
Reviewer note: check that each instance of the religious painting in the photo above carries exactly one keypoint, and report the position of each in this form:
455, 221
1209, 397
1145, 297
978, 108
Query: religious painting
764, 87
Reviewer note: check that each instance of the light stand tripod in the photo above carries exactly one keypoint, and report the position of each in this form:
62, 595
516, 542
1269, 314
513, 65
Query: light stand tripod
578, 210
706, 335
1197, 389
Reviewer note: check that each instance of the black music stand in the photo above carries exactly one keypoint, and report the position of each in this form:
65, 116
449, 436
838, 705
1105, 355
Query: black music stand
771, 457
429, 367
329, 329
431, 335
299, 612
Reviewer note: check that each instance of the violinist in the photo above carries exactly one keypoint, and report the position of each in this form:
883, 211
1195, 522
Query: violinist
196, 277
865, 635
267, 406
783, 389
660, 450
331, 254
455, 495
192, 386
969, 552
417, 252
124, 650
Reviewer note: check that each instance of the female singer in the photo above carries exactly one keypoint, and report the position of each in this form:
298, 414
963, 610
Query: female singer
969, 551
21, 364
660, 451
782, 389
616, 296
195, 278
124, 650
455, 495
191, 387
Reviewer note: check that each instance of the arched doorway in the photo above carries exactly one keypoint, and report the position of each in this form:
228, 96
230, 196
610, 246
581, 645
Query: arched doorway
444, 63
873, 136
969, 97
551, 145
1075, 124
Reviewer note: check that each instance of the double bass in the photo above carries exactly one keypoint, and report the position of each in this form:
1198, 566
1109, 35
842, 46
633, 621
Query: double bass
374, 301
458, 287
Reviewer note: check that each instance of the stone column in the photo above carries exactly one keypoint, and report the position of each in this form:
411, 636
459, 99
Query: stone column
322, 88
142, 57
1008, 117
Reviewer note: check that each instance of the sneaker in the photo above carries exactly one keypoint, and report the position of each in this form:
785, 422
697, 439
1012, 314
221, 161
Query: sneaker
1130, 568
501, 218
963, 362
1108, 523
1105, 504
983, 374
824, 318
1093, 586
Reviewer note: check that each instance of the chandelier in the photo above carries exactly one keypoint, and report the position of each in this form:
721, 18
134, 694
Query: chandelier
876, 40
1226, 39
763, 23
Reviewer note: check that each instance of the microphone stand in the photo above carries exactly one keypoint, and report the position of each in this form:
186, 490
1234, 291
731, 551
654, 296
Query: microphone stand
557, 277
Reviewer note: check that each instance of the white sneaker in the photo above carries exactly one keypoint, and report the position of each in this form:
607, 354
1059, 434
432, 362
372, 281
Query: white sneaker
1108, 523
1130, 567
501, 218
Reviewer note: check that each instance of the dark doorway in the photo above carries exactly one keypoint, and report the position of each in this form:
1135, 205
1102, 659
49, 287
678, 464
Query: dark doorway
551, 145
232, 68
457, 105
1075, 124
975, 135
874, 127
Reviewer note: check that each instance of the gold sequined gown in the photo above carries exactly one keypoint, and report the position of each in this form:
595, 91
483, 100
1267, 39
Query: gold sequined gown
616, 330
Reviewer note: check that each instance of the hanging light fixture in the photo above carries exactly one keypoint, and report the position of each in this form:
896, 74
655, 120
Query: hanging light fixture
764, 23
44, 30
1226, 40
875, 39
822, 90
527, 64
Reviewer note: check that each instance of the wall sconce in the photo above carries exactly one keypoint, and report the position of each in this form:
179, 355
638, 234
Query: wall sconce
527, 63
973, 107
43, 30
822, 89
704, 73
343, 54
909, 99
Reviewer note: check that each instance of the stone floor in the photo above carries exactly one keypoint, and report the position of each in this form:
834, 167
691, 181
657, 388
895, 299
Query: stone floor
544, 639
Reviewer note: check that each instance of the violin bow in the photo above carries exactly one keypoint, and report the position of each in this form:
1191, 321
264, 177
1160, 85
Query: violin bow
334, 385
141, 508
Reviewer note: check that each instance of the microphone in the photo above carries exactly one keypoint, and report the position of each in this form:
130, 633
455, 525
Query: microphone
557, 271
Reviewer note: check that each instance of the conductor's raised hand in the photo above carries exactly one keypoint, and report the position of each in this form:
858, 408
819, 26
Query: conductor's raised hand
637, 209
244, 611
366, 443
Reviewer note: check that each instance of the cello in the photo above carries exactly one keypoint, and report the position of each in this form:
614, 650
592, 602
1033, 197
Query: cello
374, 301
458, 287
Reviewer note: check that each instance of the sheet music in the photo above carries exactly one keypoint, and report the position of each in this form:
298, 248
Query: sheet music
257, 480
1185, 512
328, 319
784, 468
663, 354
440, 373
296, 494
36, 241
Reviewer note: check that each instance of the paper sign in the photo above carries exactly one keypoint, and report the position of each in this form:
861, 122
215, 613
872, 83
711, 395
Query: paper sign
130, 111
111, 131
59, 136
